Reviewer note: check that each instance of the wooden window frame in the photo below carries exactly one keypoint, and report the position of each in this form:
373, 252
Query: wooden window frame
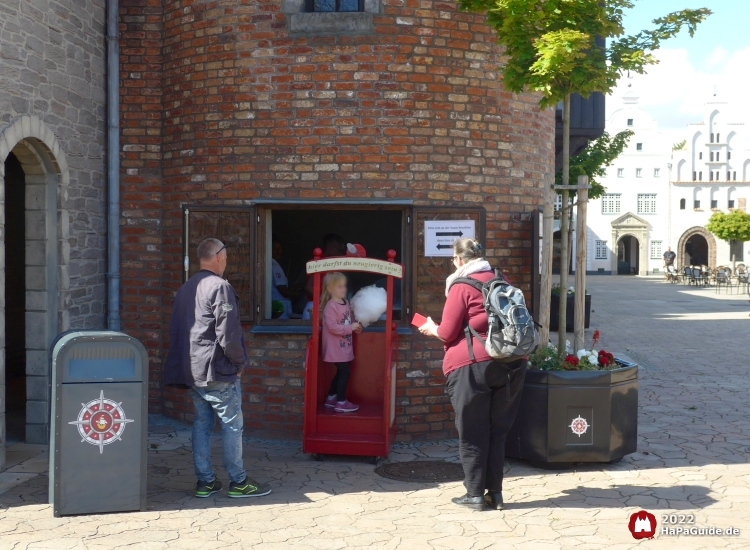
245, 316
298, 326
447, 262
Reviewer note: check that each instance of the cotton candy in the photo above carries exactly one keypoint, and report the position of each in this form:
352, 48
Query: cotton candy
369, 304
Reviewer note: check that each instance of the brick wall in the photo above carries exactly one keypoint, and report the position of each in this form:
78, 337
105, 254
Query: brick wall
52, 66
141, 123
413, 111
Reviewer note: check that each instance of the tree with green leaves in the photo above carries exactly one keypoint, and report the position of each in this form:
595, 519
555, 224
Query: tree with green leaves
554, 47
732, 227
680, 145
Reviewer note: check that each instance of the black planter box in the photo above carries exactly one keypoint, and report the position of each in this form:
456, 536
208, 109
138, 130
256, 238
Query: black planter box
554, 310
583, 416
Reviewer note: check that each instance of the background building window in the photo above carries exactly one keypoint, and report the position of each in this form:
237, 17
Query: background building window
729, 155
717, 156
700, 155
711, 176
647, 203
730, 197
558, 202
695, 175
712, 137
711, 156
638, 172
734, 176
728, 174
682, 204
601, 250
700, 175
639, 146
335, 5
718, 138
656, 250
611, 203
697, 204
630, 122
620, 172
656, 172
736, 251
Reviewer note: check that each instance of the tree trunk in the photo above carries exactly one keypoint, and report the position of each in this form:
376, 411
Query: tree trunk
564, 222
545, 290
580, 296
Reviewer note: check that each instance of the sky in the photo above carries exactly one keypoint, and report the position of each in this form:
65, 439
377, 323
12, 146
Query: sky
716, 60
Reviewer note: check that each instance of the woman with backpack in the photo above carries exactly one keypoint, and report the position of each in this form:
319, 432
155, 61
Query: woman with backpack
485, 393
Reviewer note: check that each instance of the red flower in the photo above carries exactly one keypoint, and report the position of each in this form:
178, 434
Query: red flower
596, 337
572, 360
606, 359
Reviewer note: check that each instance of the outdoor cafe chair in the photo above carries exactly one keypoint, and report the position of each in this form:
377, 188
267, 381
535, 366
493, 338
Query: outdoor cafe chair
673, 275
723, 279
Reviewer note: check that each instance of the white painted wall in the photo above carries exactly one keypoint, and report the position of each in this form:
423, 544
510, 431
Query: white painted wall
639, 170
706, 169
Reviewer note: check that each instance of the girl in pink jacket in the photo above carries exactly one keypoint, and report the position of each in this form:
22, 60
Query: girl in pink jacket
338, 326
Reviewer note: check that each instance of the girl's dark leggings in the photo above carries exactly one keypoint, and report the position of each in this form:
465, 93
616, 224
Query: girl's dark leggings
340, 381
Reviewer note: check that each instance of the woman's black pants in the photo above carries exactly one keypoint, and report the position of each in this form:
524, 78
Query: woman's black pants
485, 397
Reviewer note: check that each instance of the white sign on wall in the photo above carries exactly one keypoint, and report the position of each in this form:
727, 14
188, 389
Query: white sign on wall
439, 235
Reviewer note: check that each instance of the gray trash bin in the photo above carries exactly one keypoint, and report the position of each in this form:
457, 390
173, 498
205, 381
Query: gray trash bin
99, 426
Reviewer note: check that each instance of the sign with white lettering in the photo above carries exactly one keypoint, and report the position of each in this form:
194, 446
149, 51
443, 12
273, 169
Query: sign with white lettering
439, 235
370, 265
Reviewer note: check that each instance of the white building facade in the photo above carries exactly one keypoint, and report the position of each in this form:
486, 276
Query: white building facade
658, 198
628, 228
711, 173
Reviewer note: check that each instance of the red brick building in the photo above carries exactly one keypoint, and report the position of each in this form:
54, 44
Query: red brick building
252, 118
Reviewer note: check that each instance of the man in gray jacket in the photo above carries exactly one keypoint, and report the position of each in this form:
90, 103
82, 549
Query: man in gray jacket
207, 355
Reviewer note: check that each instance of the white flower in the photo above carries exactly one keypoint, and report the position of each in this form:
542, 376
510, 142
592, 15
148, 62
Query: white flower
581, 353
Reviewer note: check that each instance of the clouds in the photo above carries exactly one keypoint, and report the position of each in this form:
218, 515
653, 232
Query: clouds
674, 91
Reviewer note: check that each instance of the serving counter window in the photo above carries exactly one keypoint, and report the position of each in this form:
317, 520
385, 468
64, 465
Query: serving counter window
270, 243
287, 235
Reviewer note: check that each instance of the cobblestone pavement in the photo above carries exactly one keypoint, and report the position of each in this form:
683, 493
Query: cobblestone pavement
692, 458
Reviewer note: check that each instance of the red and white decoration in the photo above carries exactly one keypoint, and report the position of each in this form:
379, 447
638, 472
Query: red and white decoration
579, 426
101, 422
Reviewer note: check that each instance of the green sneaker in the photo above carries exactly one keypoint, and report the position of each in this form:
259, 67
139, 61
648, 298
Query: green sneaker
204, 489
248, 488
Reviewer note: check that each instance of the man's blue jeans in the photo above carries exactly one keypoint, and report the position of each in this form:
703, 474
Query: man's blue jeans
225, 398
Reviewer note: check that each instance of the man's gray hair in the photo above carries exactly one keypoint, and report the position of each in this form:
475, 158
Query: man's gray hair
208, 248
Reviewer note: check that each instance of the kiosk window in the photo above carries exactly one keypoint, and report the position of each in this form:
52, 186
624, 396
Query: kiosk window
289, 235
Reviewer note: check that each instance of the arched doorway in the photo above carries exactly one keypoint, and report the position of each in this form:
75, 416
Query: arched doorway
696, 250
628, 255
696, 246
34, 279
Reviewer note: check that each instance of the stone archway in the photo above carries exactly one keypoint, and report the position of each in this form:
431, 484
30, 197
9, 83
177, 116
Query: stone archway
40, 166
633, 226
703, 232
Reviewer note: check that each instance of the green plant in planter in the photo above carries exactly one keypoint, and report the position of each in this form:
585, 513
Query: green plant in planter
571, 290
549, 359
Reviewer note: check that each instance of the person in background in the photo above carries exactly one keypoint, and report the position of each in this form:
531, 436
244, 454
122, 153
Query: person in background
207, 354
485, 394
333, 246
279, 288
669, 257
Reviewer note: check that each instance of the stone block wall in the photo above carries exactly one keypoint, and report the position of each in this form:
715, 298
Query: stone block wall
52, 66
413, 110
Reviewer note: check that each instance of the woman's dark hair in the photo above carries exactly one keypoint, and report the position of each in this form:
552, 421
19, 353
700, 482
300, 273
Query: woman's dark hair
467, 249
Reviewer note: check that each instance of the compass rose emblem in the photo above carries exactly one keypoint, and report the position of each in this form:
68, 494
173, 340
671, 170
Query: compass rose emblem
101, 422
579, 426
